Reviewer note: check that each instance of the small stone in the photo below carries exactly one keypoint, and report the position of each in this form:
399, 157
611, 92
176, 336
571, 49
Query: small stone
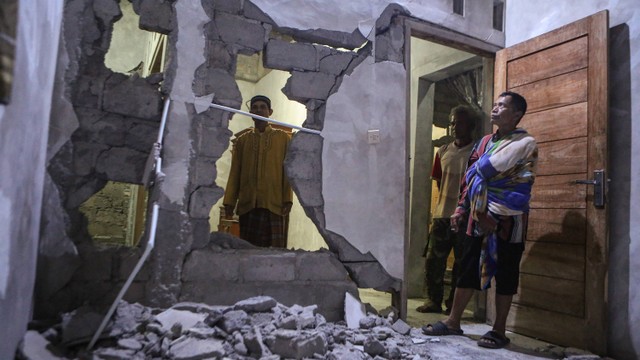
373, 347
368, 322
130, 344
401, 327
191, 349
256, 304
234, 320
395, 353
288, 322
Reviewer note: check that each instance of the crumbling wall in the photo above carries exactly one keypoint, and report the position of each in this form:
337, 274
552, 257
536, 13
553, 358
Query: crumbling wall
118, 118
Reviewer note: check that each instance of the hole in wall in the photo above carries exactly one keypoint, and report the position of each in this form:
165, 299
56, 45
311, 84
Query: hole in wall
133, 50
252, 79
116, 214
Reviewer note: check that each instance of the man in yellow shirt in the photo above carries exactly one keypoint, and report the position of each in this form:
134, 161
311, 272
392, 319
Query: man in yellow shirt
257, 187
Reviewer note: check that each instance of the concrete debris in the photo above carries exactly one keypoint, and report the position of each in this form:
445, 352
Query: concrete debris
401, 327
353, 311
255, 328
35, 347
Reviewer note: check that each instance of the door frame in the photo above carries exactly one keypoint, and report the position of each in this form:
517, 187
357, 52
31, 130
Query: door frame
437, 34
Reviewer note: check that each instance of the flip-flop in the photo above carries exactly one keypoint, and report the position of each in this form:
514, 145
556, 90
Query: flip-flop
429, 309
440, 329
497, 340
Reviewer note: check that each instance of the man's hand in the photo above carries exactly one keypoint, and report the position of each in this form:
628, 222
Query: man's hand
286, 208
228, 211
455, 220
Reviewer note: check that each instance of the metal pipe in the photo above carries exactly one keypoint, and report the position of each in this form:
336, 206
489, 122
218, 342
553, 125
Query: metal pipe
226, 108
143, 258
150, 244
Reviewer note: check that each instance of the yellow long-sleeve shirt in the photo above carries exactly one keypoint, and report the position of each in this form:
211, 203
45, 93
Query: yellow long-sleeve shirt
257, 178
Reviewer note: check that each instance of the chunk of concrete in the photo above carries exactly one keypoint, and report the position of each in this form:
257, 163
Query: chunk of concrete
196, 349
35, 347
254, 343
256, 304
186, 319
130, 344
234, 320
367, 322
353, 311
401, 327
373, 347
298, 345
114, 354
80, 325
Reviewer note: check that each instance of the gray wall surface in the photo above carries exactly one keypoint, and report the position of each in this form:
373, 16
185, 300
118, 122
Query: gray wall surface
624, 147
23, 139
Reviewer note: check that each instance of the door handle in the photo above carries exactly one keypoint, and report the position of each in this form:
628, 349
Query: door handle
599, 184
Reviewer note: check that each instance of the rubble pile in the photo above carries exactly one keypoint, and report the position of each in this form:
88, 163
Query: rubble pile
258, 327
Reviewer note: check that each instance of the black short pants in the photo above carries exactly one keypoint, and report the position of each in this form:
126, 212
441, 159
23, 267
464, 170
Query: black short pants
508, 271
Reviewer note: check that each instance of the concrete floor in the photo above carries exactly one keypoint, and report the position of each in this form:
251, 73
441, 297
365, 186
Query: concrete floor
521, 347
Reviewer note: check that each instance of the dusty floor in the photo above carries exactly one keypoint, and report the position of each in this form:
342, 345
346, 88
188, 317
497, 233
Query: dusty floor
521, 347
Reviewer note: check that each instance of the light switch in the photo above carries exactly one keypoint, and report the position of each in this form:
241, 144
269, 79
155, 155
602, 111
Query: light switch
373, 136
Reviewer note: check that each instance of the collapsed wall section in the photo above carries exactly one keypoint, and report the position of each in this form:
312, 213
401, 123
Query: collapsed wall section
118, 118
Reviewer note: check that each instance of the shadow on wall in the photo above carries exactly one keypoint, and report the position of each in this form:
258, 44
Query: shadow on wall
619, 202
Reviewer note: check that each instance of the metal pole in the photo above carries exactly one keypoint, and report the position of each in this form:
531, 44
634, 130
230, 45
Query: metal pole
150, 243
226, 108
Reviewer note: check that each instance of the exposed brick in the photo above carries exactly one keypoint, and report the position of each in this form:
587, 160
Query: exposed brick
204, 266
85, 156
309, 85
219, 56
228, 6
336, 63
96, 265
156, 16
201, 201
336, 39
263, 267
127, 262
132, 96
122, 164
252, 11
212, 141
204, 171
320, 265
238, 30
390, 44
288, 56
209, 80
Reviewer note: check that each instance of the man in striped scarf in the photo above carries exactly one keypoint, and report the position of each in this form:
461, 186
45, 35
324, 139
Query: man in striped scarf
495, 193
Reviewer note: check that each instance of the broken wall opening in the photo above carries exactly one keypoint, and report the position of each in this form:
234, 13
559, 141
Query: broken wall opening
252, 79
442, 77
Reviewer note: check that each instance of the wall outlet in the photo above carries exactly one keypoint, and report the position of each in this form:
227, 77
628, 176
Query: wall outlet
373, 136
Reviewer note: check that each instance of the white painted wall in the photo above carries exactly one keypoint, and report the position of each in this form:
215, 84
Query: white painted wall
24, 127
363, 185
624, 155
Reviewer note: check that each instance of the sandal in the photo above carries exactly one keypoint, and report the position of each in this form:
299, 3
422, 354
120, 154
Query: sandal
493, 340
431, 308
440, 329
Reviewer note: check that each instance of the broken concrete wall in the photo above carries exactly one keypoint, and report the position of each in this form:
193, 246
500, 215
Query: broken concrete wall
24, 124
114, 118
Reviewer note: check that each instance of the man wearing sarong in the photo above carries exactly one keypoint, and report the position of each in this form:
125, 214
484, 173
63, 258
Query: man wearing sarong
257, 187
495, 193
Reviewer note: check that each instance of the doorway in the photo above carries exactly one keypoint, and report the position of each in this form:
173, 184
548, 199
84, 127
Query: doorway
441, 78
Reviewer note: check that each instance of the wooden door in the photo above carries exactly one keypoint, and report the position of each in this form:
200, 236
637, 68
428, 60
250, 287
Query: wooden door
563, 76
